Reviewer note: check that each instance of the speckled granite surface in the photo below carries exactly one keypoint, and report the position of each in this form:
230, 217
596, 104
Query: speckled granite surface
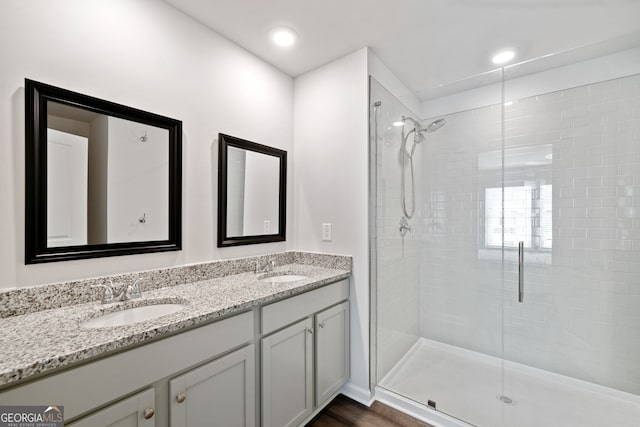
42, 341
15, 302
340, 262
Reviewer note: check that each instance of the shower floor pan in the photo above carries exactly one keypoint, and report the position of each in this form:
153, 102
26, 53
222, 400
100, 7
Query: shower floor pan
468, 385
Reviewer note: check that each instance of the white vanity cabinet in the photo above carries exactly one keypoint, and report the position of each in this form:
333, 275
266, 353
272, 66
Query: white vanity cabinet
135, 411
332, 351
273, 366
97, 393
305, 352
287, 375
220, 393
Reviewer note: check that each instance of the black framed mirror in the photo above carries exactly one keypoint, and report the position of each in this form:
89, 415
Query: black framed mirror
252, 192
102, 179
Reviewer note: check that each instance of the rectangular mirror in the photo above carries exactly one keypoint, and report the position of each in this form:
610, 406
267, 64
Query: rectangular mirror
102, 179
252, 187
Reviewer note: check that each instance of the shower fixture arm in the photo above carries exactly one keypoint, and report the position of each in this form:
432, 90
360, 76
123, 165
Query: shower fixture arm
408, 213
416, 123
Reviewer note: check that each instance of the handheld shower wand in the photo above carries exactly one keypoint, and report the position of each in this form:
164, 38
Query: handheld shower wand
418, 137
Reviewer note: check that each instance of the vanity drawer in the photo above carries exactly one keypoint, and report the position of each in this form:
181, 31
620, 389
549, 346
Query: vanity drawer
287, 311
114, 376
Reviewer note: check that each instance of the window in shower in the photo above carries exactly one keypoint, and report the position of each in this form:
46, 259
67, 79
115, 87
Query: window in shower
546, 232
527, 216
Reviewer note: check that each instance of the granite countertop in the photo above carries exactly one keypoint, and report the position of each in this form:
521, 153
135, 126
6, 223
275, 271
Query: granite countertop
36, 343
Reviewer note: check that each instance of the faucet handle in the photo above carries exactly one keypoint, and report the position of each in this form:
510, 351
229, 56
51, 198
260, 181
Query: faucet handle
267, 267
135, 290
107, 296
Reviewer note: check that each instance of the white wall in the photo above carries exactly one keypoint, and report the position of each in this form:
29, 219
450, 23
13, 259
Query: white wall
147, 55
331, 185
393, 84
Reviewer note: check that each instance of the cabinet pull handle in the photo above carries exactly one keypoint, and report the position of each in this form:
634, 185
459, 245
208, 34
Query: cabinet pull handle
181, 397
310, 331
321, 325
520, 271
148, 413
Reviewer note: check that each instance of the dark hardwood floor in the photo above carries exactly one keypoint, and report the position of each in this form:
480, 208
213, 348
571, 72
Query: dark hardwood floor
346, 412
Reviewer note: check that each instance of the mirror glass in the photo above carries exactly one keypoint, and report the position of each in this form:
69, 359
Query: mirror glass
252, 203
107, 179
252, 189
102, 179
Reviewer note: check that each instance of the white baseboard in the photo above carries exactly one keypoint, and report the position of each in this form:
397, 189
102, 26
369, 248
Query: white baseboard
357, 393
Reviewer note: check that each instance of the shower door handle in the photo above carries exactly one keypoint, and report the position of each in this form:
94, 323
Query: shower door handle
520, 271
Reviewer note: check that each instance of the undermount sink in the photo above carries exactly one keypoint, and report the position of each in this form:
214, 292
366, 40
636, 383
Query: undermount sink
132, 315
283, 278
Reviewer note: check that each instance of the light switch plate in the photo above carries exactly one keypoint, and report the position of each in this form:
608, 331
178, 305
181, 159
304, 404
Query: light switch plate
326, 232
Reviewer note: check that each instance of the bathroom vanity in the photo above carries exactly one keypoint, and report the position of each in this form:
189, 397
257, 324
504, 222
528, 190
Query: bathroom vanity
244, 352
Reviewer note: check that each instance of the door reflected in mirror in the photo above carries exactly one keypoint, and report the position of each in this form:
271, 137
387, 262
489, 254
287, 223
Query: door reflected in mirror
252, 192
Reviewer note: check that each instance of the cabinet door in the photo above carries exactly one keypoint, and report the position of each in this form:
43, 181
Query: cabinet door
287, 375
135, 411
220, 393
332, 351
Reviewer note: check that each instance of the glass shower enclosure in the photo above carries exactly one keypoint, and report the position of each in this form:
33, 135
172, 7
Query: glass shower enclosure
510, 296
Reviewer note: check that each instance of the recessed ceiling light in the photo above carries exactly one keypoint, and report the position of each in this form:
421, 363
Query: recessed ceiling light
503, 57
398, 124
283, 36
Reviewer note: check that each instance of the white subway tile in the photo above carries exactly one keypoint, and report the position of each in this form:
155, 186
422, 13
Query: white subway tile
592, 181
577, 92
605, 212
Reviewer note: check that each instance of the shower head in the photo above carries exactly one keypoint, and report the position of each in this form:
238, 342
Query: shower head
418, 136
417, 126
419, 132
435, 125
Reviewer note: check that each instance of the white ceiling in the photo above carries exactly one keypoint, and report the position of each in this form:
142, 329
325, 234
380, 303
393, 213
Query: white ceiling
431, 45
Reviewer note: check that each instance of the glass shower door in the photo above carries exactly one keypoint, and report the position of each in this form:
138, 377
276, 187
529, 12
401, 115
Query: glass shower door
462, 265
439, 280
571, 289
512, 296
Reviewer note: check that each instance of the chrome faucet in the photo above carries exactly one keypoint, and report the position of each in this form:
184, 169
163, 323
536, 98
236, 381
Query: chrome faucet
133, 291
107, 296
403, 226
128, 293
267, 267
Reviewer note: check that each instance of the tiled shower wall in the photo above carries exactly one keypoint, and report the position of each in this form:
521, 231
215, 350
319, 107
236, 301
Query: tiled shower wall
398, 258
572, 192
461, 291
